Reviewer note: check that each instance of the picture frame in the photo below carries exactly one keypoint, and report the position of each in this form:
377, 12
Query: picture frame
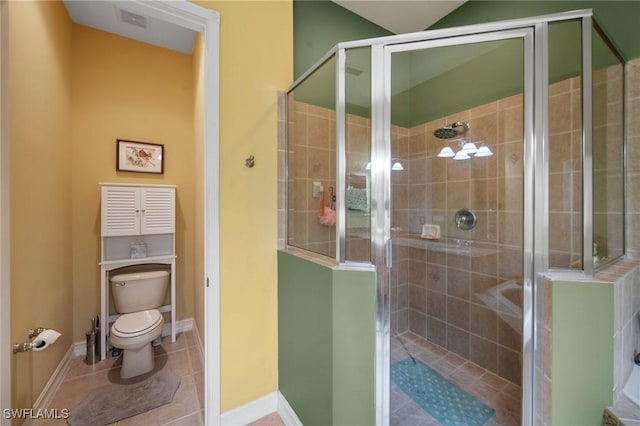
141, 157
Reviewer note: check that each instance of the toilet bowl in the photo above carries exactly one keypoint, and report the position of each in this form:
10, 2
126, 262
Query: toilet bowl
133, 333
135, 296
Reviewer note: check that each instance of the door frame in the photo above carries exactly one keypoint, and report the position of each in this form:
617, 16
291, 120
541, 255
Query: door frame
5, 284
381, 217
207, 22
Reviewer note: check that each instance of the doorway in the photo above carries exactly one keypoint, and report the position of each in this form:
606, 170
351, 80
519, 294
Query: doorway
206, 22
457, 226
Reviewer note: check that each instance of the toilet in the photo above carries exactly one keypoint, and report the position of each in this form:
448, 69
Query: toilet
136, 296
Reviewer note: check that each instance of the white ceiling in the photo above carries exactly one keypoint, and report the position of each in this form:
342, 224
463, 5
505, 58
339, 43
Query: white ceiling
401, 16
107, 16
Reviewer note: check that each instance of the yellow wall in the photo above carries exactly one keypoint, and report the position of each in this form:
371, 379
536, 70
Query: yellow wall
198, 102
256, 61
40, 190
100, 93
73, 92
128, 90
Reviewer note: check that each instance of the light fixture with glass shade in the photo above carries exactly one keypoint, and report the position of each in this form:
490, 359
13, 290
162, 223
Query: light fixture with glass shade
483, 151
467, 149
446, 152
396, 165
461, 155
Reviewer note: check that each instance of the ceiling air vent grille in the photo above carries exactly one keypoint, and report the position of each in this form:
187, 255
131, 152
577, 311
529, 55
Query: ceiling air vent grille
133, 18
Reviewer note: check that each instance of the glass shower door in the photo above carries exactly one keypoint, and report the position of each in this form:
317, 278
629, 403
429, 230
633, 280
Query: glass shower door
458, 114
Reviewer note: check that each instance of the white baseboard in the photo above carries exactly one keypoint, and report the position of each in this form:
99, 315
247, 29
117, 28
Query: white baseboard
181, 325
286, 413
258, 408
80, 348
251, 411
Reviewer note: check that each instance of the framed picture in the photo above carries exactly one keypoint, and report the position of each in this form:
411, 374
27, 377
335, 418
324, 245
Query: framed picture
144, 157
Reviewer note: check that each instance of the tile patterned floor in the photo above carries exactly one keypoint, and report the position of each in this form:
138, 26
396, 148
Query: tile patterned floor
498, 393
186, 409
182, 358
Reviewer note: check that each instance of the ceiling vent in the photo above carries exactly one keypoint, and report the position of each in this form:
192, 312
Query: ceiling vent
133, 18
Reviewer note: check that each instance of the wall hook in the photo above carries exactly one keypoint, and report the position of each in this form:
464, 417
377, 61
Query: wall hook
250, 162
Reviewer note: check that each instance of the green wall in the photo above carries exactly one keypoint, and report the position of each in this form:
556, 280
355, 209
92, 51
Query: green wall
305, 357
582, 352
619, 19
354, 343
432, 84
326, 342
320, 25
478, 80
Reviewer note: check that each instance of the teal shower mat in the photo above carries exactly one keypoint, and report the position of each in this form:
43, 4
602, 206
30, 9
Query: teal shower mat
443, 400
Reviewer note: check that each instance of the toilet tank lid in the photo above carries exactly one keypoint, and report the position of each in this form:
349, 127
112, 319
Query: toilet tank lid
139, 276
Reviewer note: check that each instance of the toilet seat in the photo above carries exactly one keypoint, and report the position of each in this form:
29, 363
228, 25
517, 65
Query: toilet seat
136, 323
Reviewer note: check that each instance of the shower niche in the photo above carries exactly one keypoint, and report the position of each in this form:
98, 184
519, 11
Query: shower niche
512, 150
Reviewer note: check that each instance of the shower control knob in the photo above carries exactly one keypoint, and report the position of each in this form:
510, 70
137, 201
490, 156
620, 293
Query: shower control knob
465, 219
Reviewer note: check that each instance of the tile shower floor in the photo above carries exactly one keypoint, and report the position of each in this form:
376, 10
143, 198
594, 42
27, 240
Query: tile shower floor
498, 393
182, 358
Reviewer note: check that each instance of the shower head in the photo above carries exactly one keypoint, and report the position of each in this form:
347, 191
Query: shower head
451, 130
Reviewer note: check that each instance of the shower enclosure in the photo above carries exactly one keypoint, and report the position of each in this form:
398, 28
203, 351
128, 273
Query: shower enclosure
460, 165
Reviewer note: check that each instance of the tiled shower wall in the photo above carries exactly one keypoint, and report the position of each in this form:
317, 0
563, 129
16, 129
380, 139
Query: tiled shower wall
632, 115
456, 314
563, 167
608, 151
470, 301
311, 158
565, 173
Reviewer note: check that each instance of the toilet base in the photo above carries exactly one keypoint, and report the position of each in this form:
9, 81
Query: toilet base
135, 363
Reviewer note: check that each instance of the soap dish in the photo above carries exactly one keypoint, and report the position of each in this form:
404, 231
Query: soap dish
430, 232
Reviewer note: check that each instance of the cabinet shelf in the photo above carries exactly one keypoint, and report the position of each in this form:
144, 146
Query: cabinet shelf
113, 264
136, 215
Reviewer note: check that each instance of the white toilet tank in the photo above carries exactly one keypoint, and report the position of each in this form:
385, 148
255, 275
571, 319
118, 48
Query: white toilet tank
139, 291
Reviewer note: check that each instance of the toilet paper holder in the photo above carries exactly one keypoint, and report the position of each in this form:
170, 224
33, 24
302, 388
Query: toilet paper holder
34, 332
27, 346
22, 347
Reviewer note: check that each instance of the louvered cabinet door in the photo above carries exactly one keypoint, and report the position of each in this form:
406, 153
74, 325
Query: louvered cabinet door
120, 211
157, 207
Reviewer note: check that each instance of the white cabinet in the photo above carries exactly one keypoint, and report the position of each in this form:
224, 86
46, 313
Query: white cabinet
134, 216
132, 210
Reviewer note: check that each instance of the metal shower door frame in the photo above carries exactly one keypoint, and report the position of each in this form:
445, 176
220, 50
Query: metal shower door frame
381, 183
535, 32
